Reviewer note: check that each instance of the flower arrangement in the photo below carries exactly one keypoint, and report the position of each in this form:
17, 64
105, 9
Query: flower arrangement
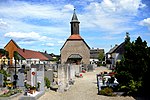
8, 93
32, 89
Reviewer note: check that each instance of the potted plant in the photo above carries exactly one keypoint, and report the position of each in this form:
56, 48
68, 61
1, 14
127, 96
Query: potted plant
32, 89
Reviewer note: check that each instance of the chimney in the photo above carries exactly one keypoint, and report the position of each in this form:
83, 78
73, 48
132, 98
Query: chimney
23, 50
45, 51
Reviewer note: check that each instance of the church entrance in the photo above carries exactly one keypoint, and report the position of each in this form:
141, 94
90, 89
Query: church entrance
74, 59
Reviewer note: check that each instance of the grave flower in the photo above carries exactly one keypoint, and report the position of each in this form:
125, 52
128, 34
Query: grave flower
32, 89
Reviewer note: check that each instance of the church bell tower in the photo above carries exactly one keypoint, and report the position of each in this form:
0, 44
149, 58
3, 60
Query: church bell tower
74, 24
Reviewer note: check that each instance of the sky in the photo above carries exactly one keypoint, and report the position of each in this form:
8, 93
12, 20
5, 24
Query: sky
44, 25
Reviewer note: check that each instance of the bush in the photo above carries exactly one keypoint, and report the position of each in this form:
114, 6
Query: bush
47, 82
107, 92
132, 87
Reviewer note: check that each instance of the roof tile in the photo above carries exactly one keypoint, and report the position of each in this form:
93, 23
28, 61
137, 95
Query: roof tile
75, 36
28, 54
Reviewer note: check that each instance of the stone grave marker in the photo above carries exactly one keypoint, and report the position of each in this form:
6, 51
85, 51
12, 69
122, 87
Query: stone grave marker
33, 75
72, 72
76, 68
61, 78
49, 75
21, 78
28, 77
1, 79
90, 67
40, 77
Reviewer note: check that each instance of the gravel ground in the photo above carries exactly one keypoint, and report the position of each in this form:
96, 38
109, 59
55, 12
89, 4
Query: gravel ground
84, 89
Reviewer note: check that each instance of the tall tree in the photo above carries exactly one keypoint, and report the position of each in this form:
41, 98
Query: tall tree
101, 56
133, 69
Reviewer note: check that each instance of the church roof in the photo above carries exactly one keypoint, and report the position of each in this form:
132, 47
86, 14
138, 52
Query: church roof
75, 37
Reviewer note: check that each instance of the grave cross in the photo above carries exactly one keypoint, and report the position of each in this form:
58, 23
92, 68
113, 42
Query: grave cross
15, 76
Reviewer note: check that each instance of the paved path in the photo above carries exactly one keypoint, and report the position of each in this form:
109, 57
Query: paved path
84, 89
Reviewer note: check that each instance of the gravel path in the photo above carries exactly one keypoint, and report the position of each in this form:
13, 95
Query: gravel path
84, 89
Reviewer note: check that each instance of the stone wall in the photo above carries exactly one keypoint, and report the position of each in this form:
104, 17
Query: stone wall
75, 47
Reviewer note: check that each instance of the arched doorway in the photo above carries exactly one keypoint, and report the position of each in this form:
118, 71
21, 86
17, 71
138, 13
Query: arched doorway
74, 59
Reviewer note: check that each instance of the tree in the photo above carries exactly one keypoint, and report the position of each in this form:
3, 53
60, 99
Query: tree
4, 53
101, 56
133, 70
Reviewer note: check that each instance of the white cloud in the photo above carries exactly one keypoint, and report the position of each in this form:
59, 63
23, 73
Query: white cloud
113, 16
41, 11
145, 22
32, 36
3, 24
68, 7
127, 7
48, 44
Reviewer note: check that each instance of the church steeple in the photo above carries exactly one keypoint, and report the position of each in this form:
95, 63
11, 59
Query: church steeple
74, 24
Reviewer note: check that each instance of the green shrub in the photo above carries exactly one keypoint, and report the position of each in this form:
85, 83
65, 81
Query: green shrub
47, 82
132, 87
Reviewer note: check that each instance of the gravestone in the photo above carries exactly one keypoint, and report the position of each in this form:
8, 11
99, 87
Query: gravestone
49, 75
61, 78
28, 77
33, 75
40, 77
1, 79
72, 72
76, 68
90, 68
55, 67
21, 79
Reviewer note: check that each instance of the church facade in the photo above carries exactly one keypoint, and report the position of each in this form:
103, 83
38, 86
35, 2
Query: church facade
75, 50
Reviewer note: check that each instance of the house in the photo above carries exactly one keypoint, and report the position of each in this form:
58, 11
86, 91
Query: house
75, 50
94, 54
11, 47
115, 54
24, 56
50, 58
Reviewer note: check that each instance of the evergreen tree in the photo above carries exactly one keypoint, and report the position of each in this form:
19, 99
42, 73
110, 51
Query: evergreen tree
133, 70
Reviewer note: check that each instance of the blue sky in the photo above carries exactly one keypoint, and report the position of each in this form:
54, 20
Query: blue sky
45, 24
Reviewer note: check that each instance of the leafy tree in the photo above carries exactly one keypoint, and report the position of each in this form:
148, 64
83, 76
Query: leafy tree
4, 53
133, 69
101, 56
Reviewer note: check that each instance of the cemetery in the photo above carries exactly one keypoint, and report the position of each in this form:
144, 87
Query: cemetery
106, 82
31, 83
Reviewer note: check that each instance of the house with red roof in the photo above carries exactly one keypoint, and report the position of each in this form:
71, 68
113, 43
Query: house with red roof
25, 56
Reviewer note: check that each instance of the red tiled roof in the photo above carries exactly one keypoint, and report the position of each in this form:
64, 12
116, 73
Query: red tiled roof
75, 37
28, 54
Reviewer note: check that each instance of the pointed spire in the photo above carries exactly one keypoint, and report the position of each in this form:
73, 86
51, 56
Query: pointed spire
74, 24
74, 17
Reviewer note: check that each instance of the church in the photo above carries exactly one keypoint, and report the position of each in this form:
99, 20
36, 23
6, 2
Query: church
75, 50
